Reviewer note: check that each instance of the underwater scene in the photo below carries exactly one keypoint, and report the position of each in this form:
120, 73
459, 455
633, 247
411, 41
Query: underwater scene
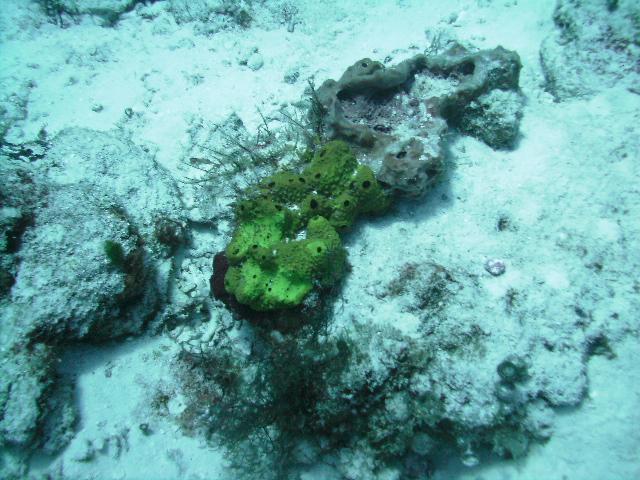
319, 240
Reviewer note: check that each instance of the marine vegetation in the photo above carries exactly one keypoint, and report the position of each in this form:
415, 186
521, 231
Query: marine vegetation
114, 252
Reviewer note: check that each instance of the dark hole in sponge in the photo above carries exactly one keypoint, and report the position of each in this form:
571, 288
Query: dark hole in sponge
317, 175
313, 204
271, 184
236, 251
467, 68
254, 246
364, 64
401, 154
346, 203
302, 180
366, 184
319, 249
382, 128
278, 207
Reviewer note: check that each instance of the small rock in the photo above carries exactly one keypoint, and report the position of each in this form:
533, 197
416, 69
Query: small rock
421, 444
82, 451
512, 369
255, 61
470, 459
495, 267
291, 76
145, 429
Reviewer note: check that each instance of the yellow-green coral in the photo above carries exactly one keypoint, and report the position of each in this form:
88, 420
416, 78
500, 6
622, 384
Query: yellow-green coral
286, 240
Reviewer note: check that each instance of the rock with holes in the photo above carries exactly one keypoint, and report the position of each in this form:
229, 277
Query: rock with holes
396, 117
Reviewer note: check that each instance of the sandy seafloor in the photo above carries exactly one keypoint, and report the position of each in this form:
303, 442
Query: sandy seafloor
560, 183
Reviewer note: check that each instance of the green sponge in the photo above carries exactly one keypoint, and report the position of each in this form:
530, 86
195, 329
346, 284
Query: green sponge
286, 240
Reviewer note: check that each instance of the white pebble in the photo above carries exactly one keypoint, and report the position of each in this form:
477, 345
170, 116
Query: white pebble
495, 267
255, 62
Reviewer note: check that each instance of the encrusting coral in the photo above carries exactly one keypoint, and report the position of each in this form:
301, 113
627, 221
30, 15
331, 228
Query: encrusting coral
286, 239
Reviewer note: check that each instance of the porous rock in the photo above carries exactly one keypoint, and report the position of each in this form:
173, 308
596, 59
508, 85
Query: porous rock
396, 117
